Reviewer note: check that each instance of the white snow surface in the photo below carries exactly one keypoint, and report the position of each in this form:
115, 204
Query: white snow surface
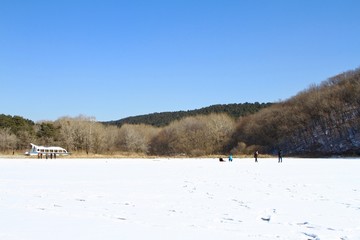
179, 199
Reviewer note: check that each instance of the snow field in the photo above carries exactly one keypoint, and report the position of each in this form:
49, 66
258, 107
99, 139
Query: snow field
179, 199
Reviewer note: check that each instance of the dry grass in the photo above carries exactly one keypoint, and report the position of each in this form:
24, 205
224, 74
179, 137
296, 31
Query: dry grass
119, 155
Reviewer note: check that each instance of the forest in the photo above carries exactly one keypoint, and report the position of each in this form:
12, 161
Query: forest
162, 119
140, 135
323, 120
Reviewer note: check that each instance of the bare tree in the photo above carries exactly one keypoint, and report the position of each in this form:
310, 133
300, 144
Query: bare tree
7, 140
76, 133
66, 132
100, 138
110, 137
198, 135
220, 129
135, 138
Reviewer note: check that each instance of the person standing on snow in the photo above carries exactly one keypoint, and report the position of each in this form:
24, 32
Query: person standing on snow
230, 158
280, 156
256, 154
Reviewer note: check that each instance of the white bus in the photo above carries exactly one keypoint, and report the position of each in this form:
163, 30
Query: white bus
41, 151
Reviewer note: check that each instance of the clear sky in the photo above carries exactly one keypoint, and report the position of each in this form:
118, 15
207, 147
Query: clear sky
111, 59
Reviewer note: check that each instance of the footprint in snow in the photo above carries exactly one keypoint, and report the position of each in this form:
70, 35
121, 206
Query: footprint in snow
303, 223
267, 215
312, 235
227, 220
266, 218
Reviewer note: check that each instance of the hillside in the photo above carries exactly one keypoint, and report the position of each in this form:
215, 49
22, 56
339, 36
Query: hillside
323, 120
165, 118
320, 121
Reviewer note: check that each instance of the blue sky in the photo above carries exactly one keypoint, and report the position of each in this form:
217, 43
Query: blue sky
114, 59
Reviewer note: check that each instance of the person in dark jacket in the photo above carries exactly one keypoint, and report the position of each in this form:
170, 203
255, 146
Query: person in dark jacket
280, 156
256, 154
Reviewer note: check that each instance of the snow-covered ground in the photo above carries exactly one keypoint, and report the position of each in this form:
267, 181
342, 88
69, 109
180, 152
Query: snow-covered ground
179, 199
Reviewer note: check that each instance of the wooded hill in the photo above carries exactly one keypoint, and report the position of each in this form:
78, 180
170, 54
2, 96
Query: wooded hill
320, 121
165, 118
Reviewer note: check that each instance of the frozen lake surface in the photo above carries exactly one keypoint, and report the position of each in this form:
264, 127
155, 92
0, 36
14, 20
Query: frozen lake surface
179, 199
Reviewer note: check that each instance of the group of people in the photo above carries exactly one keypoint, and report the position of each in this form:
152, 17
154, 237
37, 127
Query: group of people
40, 155
256, 155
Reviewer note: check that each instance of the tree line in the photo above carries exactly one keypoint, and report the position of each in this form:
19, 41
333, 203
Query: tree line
192, 133
190, 136
162, 119
321, 120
